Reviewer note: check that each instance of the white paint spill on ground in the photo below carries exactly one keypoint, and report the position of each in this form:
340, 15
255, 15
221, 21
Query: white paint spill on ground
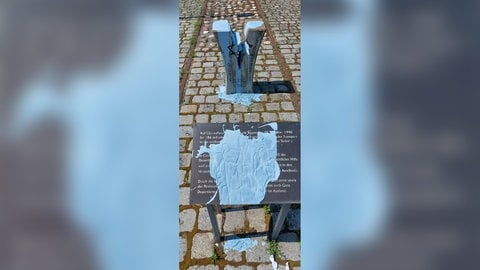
243, 98
275, 264
242, 166
240, 244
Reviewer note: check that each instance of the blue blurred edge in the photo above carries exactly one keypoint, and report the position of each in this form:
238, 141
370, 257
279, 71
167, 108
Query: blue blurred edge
103, 73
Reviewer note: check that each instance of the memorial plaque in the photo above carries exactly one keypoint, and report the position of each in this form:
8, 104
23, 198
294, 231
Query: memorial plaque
252, 163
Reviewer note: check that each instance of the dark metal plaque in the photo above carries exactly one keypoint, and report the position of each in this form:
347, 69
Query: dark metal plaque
284, 190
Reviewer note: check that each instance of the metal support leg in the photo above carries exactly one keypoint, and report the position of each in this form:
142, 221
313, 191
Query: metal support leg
280, 219
213, 220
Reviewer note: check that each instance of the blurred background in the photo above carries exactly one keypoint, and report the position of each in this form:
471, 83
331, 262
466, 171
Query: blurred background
88, 134
88, 168
391, 121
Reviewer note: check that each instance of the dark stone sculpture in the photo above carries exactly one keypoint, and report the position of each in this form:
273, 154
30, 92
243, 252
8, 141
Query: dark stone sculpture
239, 54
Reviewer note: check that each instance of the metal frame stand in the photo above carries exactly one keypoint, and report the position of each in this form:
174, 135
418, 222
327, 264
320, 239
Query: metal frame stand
280, 219
276, 228
213, 220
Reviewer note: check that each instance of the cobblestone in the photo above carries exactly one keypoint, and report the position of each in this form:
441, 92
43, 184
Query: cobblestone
195, 77
282, 267
209, 76
201, 118
207, 90
184, 196
235, 117
233, 256
188, 109
182, 145
205, 108
212, 99
181, 177
202, 245
223, 108
252, 117
243, 267
187, 220
198, 99
204, 223
259, 253
203, 267
186, 119
218, 118
234, 220
191, 91
256, 219
185, 159
207, 64
279, 97
288, 117
196, 70
186, 99
290, 246
182, 248
204, 83
272, 106
257, 107
269, 267
189, 147
288, 106
269, 117
189, 176
239, 108
186, 132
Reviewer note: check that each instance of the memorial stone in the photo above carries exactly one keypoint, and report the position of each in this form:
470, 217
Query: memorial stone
239, 53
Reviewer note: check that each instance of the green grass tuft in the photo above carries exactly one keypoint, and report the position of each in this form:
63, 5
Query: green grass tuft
274, 249
266, 207
214, 258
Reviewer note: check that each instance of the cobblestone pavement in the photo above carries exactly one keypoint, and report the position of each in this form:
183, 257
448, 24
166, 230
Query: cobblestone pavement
190, 19
197, 240
283, 19
201, 73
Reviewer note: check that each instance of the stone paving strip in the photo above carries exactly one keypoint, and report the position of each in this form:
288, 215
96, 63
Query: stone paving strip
187, 29
190, 12
199, 103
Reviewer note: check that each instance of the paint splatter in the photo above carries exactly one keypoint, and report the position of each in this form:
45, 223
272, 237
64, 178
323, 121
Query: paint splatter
239, 98
275, 264
242, 166
240, 244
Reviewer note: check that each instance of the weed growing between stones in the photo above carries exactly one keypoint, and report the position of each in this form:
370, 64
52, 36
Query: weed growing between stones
274, 249
214, 258
182, 72
266, 207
